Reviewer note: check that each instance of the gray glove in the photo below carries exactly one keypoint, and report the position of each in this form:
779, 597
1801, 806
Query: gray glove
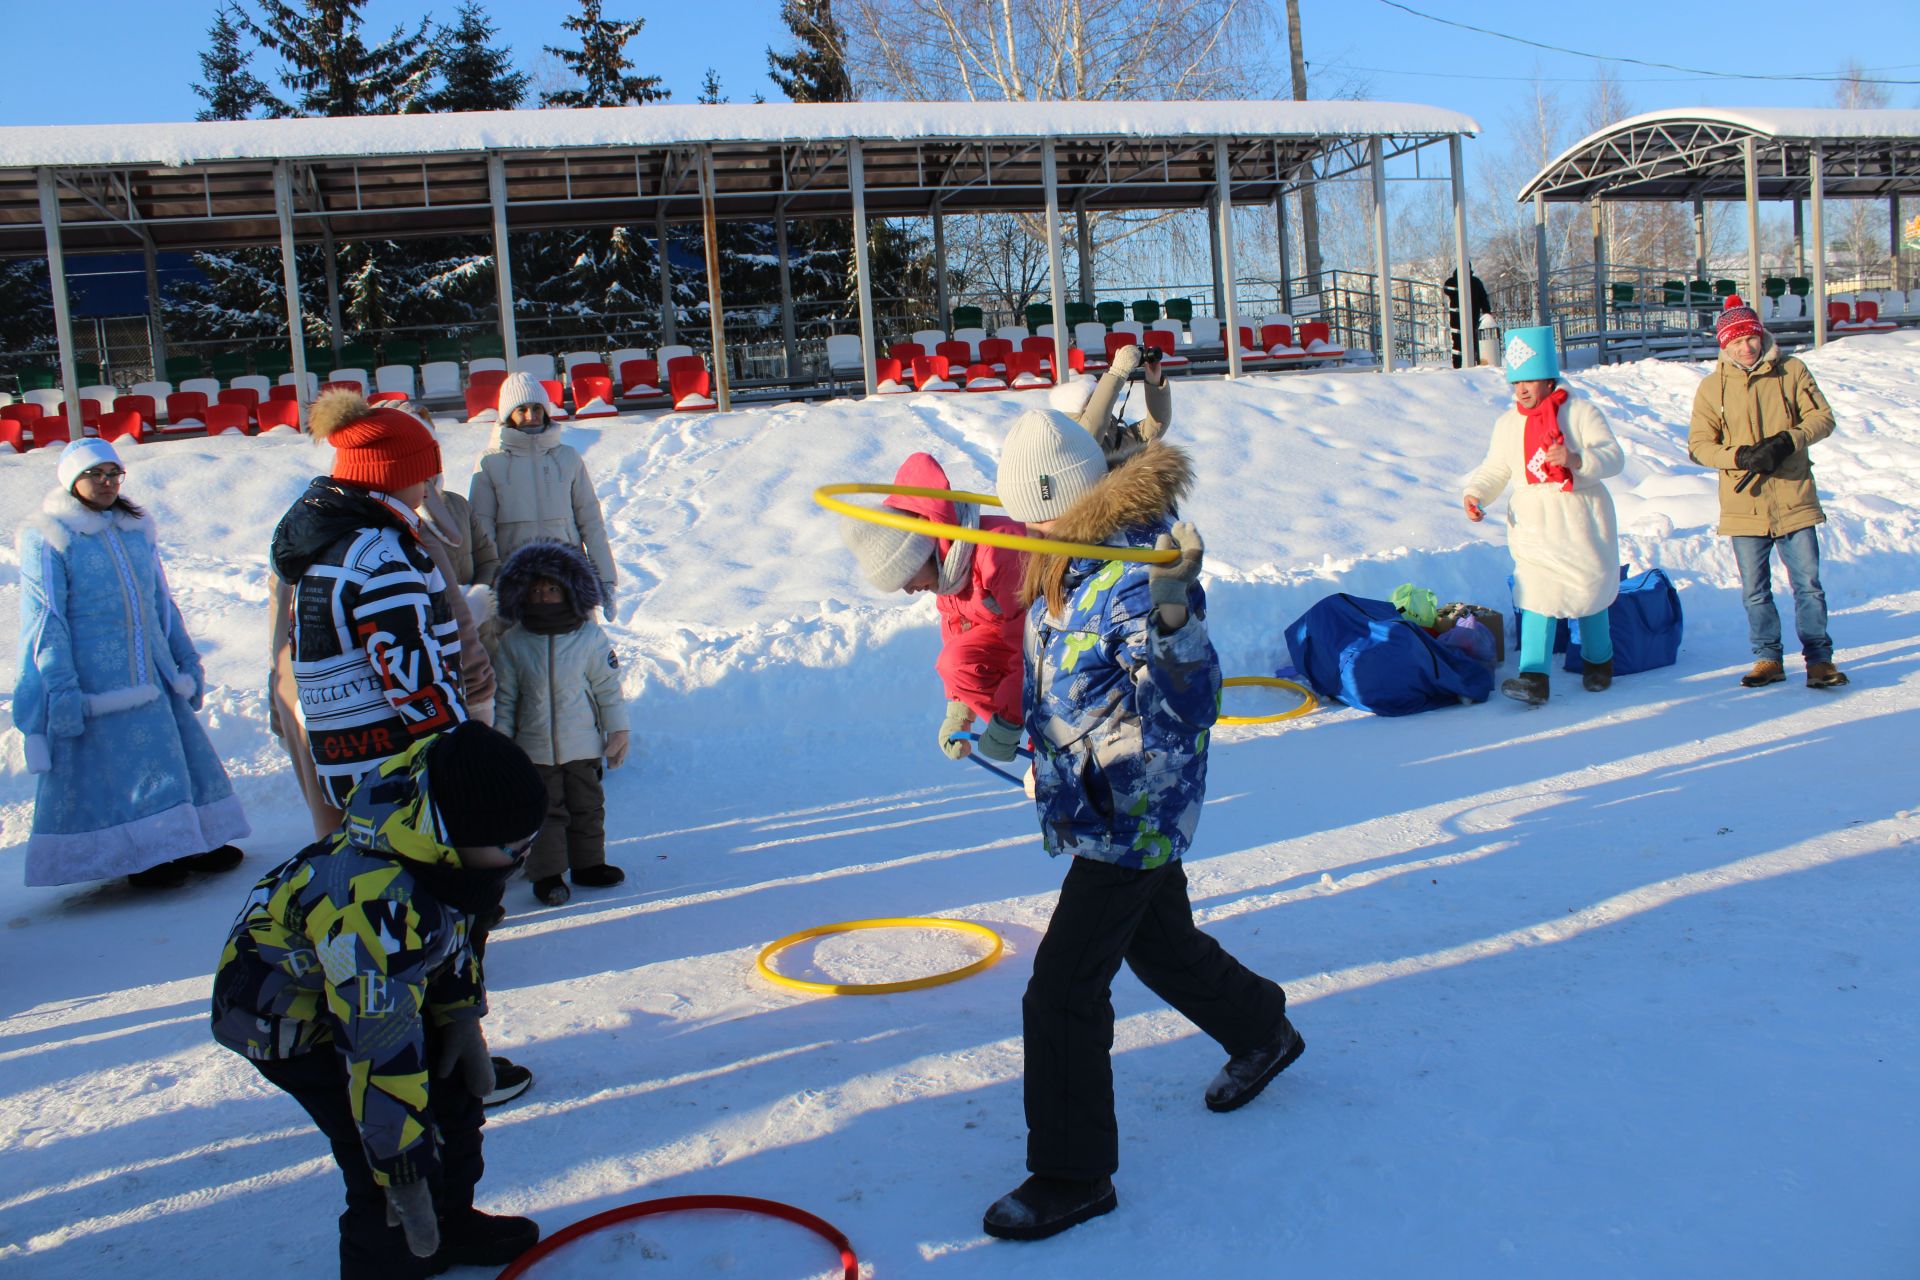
1125, 361
1000, 740
958, 720
606, 600
410, 1207
464, 1050
1168, 584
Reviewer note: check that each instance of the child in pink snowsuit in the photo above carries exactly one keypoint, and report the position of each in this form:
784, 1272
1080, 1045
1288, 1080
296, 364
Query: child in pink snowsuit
977, 590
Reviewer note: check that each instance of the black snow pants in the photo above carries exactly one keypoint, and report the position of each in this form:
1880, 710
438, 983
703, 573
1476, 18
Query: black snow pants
369, 1248
1107, 914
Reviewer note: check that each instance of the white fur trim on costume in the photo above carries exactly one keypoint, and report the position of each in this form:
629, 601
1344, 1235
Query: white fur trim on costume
68, 858
39, 753
184, 684
62, 516
1070, 397
139, 695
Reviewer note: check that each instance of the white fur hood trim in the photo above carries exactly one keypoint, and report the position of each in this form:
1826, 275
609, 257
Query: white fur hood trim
63, 517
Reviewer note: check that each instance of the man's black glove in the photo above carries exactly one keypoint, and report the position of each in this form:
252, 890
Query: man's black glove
1764, 458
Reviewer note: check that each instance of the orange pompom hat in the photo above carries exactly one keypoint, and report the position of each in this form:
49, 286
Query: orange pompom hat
384, 449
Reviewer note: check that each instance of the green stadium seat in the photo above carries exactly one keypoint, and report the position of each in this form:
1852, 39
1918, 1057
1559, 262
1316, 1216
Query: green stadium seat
271, 362
1146, 311
1180, 309
438, 349
1799, 286
320, 359
1622, 295
180, 368
1079, 313
1725, 288
1774, 286
1673, 293
358, 355
1110, 313
1038, 313
36, 377
228, 365
969, 318
483, 346
1700, 292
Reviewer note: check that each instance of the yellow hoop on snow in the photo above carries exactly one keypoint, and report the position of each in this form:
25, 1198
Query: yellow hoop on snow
1307, 701
827, 495
772, 949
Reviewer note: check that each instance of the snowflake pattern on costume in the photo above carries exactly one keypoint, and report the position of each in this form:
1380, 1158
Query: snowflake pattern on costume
1518, 353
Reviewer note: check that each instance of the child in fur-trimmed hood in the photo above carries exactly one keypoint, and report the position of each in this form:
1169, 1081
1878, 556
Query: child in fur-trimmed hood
559, 697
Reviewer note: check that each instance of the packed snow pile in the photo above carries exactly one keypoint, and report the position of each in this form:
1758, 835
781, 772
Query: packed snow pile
1617, 987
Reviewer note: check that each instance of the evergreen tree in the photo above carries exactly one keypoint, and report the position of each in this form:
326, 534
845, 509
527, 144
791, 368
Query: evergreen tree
816, 69
26, 305
232, 91
332, 70
602, 64
475, 75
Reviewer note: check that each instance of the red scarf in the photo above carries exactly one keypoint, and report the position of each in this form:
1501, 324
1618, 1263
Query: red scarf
1543, 432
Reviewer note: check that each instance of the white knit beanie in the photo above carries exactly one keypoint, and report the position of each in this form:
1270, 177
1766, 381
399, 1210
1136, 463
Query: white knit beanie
519, 389
889, 557
1048, 463
1070, 397
84, 455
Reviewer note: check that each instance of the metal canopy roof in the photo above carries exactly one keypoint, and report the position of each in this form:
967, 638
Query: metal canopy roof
206, 185
1699, 153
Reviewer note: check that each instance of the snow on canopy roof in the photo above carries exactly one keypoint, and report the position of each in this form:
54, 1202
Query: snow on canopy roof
1689, 152
176, 145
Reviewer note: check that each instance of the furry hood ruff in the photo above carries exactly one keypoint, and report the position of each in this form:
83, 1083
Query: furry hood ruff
63, 517
564, 564
1141, 489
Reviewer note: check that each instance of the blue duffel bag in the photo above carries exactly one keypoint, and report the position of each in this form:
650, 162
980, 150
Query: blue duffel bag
1646, 624
1365, 654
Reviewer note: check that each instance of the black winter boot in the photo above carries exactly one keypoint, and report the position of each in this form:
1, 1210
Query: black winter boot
510, 1080
600, 876
1597, 676
475, 1239
1042, 1207
1246, 1074
552, 890
1529, 687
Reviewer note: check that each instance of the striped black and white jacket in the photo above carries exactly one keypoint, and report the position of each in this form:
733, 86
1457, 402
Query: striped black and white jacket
376, 650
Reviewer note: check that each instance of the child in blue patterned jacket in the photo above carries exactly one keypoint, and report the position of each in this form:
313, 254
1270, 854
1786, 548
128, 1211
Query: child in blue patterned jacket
1122, 688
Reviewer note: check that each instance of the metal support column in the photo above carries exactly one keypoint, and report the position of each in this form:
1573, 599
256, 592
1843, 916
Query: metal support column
331, 252
1084, 233
788, 338
716, 314
1893, 239
943, 319
62, 314
663, 267
1213, 251
1817, 195
1599, 280
1469, 336
1699, 241
156, 316
1382, 261
502, 257
1223, 204
1799, 240
290, 275
1539, 259
1062, 339
857, 179
1754, 279
1286, 258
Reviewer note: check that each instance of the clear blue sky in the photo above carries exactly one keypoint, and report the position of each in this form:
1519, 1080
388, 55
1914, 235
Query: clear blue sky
138, 57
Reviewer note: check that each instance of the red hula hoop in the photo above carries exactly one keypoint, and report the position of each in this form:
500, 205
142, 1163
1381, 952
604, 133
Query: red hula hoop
679, 1204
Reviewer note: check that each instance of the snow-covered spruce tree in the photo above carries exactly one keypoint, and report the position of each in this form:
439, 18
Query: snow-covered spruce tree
232, 91
26, 306
601, 63
475, 74
331, 68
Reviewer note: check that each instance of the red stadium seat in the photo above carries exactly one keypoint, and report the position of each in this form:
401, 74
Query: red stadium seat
279, 412
556, 396
13, 436
984, 377
224, 419
690, 384
930, 374
906, 353
90, 410
640, 379
889, 378
187, 409
49, 429
592, 394
381, 397
1169, 359
959, 354
1316, 338
22, 413
143, 405
117, 423
996, 352
1025, 371
483, 391
287, 392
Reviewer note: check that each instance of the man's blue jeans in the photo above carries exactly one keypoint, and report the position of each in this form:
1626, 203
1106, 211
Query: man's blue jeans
1800, 553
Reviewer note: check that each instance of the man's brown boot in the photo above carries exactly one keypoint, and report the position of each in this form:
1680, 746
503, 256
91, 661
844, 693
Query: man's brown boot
1824, 675
1765, 671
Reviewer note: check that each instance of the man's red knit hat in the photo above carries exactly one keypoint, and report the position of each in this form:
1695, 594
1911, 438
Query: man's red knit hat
382, 449
1737, 320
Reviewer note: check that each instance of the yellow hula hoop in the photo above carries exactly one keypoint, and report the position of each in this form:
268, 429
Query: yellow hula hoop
1307, 700
827, 495
767, 971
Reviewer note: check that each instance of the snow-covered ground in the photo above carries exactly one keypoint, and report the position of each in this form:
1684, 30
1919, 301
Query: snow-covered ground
1618, 987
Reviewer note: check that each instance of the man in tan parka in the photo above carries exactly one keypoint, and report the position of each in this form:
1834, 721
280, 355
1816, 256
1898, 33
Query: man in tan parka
1755, 416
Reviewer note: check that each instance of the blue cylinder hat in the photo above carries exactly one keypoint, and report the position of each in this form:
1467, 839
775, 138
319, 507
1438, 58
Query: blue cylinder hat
1531, 354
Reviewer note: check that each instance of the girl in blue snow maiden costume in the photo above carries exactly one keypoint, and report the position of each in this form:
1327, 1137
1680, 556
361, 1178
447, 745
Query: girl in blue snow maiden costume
109, 683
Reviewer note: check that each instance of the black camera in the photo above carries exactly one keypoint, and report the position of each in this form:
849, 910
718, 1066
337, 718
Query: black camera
1149, 359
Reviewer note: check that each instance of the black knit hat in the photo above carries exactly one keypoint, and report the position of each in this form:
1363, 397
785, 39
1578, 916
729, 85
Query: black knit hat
485, 788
